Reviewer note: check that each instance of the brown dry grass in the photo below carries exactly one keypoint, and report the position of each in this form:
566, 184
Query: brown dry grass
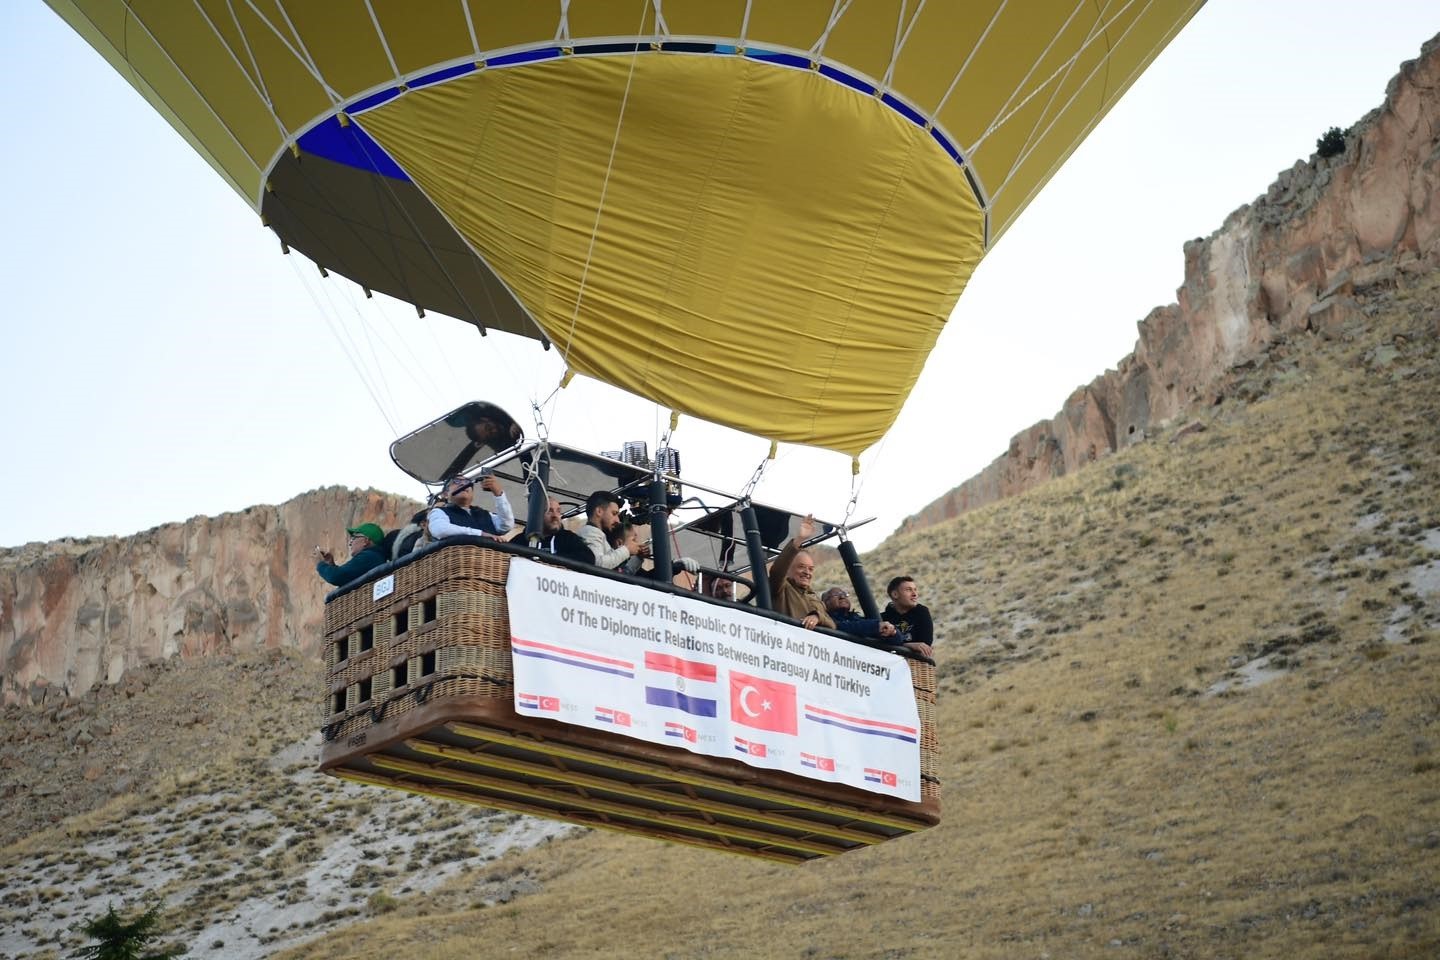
1098, 802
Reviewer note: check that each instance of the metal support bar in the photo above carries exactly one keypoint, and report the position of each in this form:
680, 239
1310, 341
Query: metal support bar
856, 569
660, 528
539, 483
759, 576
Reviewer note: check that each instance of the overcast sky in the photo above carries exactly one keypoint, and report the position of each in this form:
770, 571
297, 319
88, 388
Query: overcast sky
161, 359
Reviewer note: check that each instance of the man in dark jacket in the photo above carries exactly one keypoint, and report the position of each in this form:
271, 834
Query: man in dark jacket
837, 602
458, 517
913, 626
554, 538
365, 555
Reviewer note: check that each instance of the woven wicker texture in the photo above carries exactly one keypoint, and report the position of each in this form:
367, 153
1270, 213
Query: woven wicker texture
462, 652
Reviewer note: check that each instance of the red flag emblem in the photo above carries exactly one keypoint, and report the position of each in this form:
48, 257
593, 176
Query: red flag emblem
762, 704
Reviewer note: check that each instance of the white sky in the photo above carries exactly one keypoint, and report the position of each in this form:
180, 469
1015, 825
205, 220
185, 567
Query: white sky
161, 359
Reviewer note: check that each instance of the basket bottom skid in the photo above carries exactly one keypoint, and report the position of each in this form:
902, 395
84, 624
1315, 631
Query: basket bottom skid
480, 752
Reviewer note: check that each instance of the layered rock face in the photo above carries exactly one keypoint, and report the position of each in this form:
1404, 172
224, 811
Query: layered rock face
1286, 263
77, 612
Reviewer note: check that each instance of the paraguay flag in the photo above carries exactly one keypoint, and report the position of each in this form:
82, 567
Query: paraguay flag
609, 715
533, 701
882, 777
571, 657
873, 728
817, 762
680, 684
749, 747
679, 731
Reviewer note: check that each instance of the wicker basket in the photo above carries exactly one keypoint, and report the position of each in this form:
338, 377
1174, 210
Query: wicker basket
419, 697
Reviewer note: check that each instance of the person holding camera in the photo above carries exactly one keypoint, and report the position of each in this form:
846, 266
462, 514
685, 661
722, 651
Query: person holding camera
604, 534
365, 555
455, 515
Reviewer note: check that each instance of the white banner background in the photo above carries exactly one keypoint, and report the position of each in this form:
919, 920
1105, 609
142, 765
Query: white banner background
714, 680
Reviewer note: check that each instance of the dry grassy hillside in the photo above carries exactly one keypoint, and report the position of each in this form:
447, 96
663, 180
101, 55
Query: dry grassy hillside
1191, 710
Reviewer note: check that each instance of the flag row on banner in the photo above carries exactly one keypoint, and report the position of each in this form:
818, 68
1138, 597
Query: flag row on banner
710, 679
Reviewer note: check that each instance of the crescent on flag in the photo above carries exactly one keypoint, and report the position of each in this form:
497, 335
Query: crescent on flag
744, 705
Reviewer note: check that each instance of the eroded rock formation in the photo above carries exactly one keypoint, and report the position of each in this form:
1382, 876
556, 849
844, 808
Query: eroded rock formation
1286, 263
77, 612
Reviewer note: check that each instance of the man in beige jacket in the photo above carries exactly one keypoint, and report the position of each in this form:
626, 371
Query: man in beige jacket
791, 575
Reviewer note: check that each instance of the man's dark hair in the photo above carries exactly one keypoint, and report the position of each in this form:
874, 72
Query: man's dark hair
895, 584
597, 500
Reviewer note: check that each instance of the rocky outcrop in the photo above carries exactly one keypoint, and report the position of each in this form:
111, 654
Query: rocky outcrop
1285, 264
77, 612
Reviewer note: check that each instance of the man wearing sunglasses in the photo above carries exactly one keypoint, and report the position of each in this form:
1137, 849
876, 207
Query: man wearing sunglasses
457, 516
837, 603
365, 555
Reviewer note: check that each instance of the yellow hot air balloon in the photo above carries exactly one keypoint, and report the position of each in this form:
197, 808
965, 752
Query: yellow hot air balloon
757, 212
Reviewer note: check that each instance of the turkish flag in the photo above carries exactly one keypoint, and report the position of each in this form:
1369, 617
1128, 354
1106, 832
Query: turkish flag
762, 704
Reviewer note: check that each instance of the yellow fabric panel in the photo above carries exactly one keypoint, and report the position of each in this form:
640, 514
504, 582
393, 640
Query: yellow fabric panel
1043, 83
865, 43
297, 96
795, 24
604, 18
499, 24
340, 38
1135, 36
698, 18
216, 76
416, 42
1052, 135
157, 80
776, 252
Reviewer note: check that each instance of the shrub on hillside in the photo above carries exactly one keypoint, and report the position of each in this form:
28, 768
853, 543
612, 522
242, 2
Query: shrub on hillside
1331, 144
115, 939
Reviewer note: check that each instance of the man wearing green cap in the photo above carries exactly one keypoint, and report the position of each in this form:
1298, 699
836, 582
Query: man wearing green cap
365, 555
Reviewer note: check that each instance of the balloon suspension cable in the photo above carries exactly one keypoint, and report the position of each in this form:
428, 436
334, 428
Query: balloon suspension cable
348, 347
604, 188
755, 478
663, 439
531, 470
855, 485
542, 432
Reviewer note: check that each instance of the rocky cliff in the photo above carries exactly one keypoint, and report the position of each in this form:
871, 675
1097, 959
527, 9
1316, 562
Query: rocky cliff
77, 612
1288, 262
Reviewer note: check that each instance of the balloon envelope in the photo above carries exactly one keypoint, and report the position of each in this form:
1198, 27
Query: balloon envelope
759, 213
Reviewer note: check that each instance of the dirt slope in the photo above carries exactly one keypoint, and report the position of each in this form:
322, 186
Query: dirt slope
1191, 708
1191, 711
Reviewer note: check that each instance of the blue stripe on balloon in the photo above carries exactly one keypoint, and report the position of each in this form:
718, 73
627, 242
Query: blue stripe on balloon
353, 147
440, 76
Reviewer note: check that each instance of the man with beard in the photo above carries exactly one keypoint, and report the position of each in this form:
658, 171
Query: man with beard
554, 538
458, 517
602, 523
790, 577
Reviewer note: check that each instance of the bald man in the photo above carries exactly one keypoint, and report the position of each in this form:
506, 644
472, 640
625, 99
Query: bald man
791, 576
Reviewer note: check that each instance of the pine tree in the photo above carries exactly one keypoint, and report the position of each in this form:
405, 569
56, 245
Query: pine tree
117, 940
